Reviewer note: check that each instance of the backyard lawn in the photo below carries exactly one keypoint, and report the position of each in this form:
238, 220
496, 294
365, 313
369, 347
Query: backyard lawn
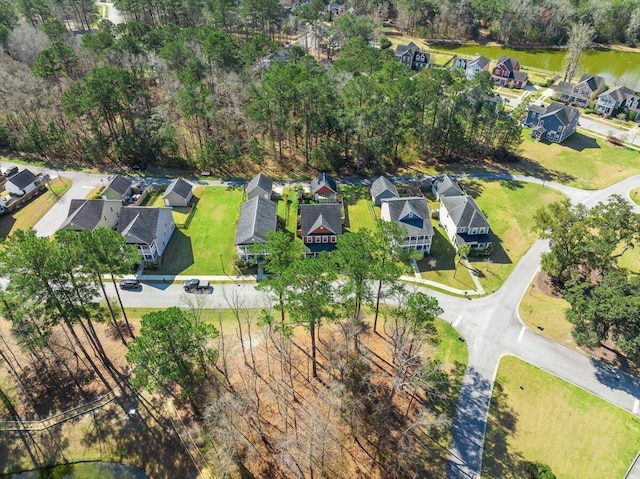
28, 216
582, 161
206, 246
535, 416
359, 208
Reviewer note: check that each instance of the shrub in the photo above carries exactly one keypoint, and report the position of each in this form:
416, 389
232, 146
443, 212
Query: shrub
538, 470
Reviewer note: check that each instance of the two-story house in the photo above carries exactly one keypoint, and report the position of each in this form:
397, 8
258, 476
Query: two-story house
258, 216
320, 226
411, 56
472, 66
581, 93
92, 214
616, 99
147, 227
413, 216
554, 123
507, 73
464, 222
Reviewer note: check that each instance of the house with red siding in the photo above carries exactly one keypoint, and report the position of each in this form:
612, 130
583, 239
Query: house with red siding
507, 73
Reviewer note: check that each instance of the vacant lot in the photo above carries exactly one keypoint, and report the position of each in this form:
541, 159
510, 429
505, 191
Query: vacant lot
582, 161
28, 216
206, 246
535, 416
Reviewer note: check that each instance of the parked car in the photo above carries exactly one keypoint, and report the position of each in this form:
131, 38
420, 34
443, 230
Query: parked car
129, 284
138, 167
12, 170
196, 286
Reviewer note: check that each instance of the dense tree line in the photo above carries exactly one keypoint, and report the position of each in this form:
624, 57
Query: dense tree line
583, 262
191, 84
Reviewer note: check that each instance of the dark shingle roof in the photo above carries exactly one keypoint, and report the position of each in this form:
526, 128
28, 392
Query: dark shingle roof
565, 113
619, 93
594, 82
409, 47
382, 184
23, 179
446, 186
86, 214
537, 108
180, 187
257, 217
314, 216
464, 211
138, 224
411, 213
520, 76
323, 180
259, 184
508, 62
120, 185
478, 60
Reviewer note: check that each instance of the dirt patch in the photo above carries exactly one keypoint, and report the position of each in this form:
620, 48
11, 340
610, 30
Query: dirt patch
545, 285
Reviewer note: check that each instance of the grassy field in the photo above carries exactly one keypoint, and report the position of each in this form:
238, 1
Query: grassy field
451, 349
288, 209
359, 207
535, 416
28, 216
635, 195
206, 247
545, 315
581, 161
509, 207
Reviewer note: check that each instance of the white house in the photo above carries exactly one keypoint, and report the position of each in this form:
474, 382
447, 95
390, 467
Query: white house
147, 227
21, 183
178, 193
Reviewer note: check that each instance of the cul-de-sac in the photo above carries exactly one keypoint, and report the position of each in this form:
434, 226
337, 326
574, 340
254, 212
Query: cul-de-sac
300, 240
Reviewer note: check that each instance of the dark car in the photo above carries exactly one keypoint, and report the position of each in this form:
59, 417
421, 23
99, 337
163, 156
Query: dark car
138, 167
12, 170
129, 284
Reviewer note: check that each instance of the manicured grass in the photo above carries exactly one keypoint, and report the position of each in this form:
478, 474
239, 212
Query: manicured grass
288, 209
451, 348
206, 247
359, 207
509, 207
581, 161
630, 260
544, 314
635, 195
28, 216
535, 416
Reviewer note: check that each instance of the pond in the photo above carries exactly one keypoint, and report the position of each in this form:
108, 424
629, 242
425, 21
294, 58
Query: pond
617, 67
85, 470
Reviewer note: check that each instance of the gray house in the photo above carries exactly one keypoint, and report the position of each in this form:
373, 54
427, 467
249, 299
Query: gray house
411, 56
444, 185
148, 228
91, 214
178, 193
260, 185
554, 123
581, 93
464, 222
617, 98
413, 216
258, 216
381, 189
118, 188
22, 183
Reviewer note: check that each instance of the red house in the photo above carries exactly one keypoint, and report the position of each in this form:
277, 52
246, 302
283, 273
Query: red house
507, 73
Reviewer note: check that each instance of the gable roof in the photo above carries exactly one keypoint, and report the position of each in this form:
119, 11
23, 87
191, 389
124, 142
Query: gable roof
382, 184
260, 181
619, 93
446, 186
180, 187
323, 180
22, 179
565, 113
478, 60
412, 213
410, 47
464, 211
120, 185
594, 82
327, 215
139, 224
257, 217
508, 62
86, 214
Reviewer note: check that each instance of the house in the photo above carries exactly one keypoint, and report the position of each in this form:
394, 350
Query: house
464, 222
554, 123
324, 189
411, 214
147, 227
178, 193
21, 183
472, 66
320, 226
617, 98
444, 185
260, 185
507, 73
92, 214
258, 216
411, 56
381, 189
118, 188
581, 93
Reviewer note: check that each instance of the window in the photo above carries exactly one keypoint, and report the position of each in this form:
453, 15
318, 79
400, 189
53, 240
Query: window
325, 239
309, 239
333, 239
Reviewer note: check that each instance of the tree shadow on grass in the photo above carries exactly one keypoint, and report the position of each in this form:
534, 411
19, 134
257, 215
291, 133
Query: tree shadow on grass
178, 255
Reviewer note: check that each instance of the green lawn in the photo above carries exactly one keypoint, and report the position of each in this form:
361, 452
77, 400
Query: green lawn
635, 195
451, 348
27, 217
206, 247
509, 207
288, 209
535, 416
580, 161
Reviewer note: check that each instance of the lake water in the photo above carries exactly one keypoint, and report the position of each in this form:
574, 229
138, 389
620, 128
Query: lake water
618, 68
85, 470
